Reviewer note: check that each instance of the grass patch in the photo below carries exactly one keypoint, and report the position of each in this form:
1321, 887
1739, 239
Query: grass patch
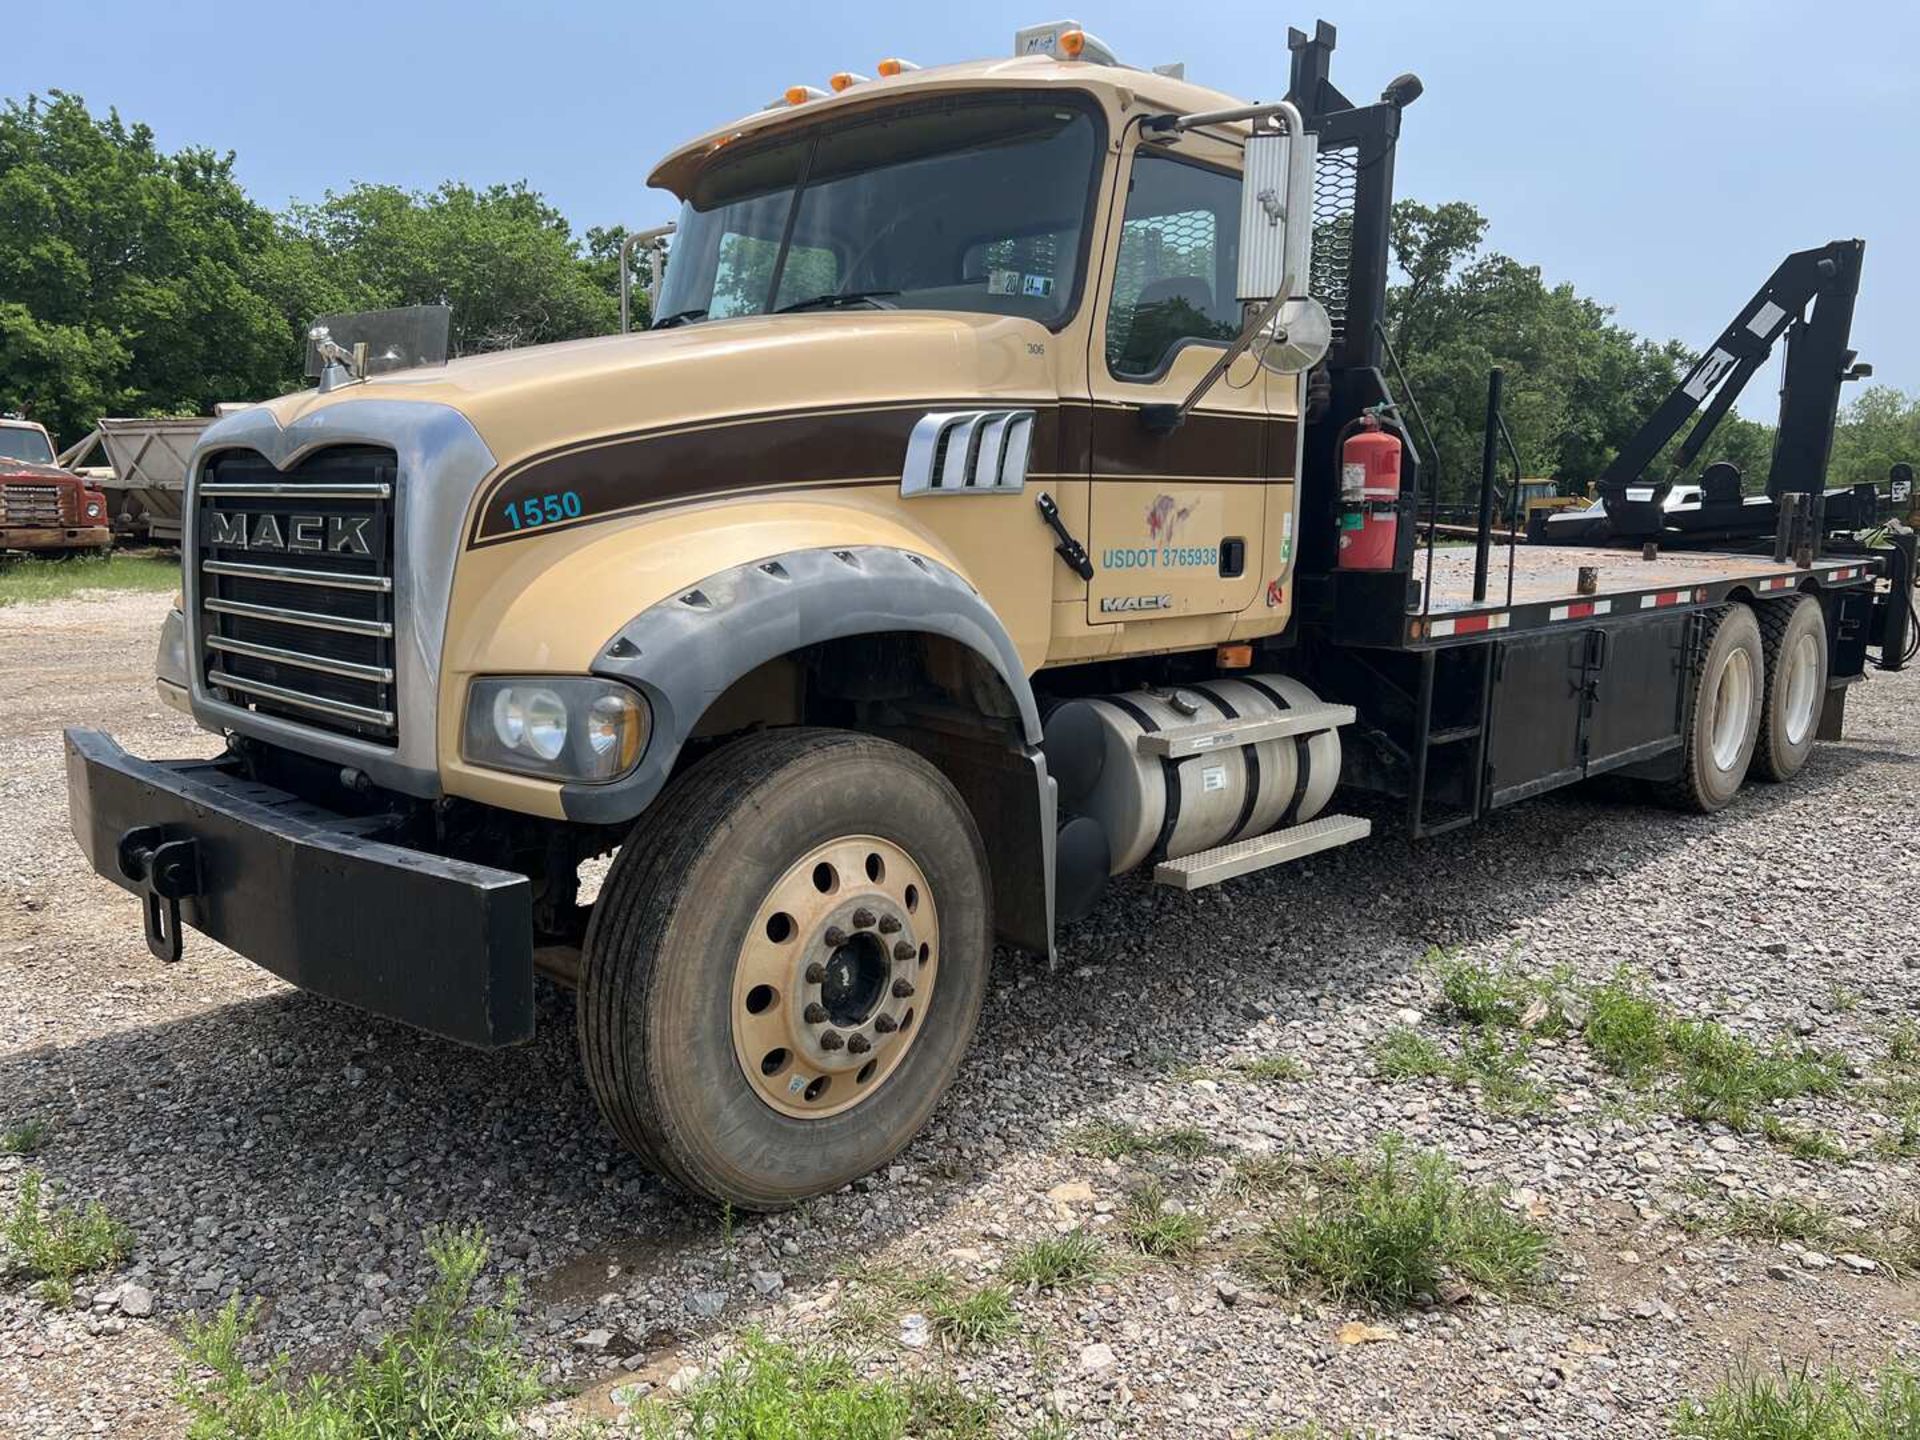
29, 1137
1257, 1176
53, 1245
1056, 1261
964, 1322
1271, 1069
1720, 1076
1113, 1140
1903, 1141
1796, 1405
455, 1370
1802, 1144
1625, 1029
1382, 1232
1777, 1220
920, 1288
1724, 1078
1903, 1046
32, 578
1503, 996
769, 1391
1154, 1229
1405, 1054
1486, 1060
1896, 1244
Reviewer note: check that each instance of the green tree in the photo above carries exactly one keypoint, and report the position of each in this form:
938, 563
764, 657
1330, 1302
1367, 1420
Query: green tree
504, 259
1878, 429
134, 281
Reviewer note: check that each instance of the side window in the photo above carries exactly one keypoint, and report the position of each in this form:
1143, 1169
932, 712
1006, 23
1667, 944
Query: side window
1174, 278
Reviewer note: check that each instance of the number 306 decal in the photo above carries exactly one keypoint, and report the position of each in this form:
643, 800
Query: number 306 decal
542, 510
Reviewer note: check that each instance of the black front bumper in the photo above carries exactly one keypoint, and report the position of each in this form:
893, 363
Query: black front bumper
440, 944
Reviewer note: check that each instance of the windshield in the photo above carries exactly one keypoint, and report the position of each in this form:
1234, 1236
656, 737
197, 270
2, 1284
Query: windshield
974, 203
22, 444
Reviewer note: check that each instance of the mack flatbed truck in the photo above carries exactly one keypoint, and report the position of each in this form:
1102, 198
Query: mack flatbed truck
1007, 493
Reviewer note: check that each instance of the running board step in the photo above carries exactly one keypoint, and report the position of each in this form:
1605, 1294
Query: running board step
1243, 857
1220, 734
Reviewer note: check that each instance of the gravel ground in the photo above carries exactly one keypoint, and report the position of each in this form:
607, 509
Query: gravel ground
263, 1143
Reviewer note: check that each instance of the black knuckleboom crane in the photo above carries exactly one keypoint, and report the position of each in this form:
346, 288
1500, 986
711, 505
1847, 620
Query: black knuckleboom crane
1807, 304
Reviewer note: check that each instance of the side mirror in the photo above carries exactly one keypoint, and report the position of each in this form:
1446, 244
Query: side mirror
1276, 215
1276, 251
645, 240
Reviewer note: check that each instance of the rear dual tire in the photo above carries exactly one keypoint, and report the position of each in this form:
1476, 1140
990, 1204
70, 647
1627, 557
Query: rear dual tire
1793, 638
1756, 700
1723, 712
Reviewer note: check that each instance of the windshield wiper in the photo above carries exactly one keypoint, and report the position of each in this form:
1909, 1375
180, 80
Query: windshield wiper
834, 299
680, 317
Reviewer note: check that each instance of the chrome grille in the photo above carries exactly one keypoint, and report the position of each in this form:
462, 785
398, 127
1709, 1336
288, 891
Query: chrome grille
295, 588
30, 504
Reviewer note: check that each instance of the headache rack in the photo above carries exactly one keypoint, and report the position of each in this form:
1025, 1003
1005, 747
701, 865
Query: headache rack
295, 588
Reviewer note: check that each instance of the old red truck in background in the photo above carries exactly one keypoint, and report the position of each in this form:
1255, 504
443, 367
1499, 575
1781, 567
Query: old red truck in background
43, 507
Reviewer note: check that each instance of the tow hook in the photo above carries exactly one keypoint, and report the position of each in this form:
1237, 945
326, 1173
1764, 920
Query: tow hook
167, 870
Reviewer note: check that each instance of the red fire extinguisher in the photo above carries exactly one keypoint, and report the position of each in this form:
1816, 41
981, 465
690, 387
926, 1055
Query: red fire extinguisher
1369, 496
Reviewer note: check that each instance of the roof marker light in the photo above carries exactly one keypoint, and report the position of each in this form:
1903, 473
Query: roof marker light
893, 65
1072, 43
846, 80
801, 94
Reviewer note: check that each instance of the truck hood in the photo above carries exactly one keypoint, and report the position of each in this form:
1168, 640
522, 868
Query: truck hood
35, 473
548, 398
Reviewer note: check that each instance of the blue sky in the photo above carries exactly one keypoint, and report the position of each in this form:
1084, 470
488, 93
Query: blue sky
1661, 157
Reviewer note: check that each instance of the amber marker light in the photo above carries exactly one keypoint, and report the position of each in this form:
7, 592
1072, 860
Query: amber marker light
846, 80
1072, 43
893, 66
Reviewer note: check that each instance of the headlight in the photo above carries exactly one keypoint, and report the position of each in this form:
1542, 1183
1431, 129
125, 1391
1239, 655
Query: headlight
93, 510
561, 728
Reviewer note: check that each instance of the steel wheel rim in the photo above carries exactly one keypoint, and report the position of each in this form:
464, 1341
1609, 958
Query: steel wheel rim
832, 980
1732, 706
1801, 670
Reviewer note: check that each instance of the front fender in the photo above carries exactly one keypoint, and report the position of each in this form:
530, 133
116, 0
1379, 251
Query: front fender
684, 652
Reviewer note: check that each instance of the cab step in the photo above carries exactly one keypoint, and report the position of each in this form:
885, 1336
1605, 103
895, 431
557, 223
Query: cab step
1196, 739
1277, 847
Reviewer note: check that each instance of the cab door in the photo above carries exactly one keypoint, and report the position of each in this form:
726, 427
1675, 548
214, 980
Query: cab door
1178, 519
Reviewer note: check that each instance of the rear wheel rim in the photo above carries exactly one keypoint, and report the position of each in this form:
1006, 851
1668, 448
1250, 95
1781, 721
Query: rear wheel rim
1732, 708
833, 978
1800, 670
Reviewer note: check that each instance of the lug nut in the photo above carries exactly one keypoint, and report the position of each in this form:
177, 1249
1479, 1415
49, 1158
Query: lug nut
815, 1014
858, 1045
889, 924
830, 1040
836, 937
863, 919
902, 989
816, 974
904, 950
885, 1024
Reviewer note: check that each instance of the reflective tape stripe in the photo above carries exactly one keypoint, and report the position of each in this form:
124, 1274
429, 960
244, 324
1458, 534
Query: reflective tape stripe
1469, 625
1580, 610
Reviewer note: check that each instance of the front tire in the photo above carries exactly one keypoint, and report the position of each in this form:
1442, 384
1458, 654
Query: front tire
786, 965
1793, 635
1723, 715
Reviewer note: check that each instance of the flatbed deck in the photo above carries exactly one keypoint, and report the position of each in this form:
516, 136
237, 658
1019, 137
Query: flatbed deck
1545, 588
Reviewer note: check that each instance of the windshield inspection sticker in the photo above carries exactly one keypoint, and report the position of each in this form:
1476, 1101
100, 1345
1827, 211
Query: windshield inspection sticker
1039, 285
1003, 282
